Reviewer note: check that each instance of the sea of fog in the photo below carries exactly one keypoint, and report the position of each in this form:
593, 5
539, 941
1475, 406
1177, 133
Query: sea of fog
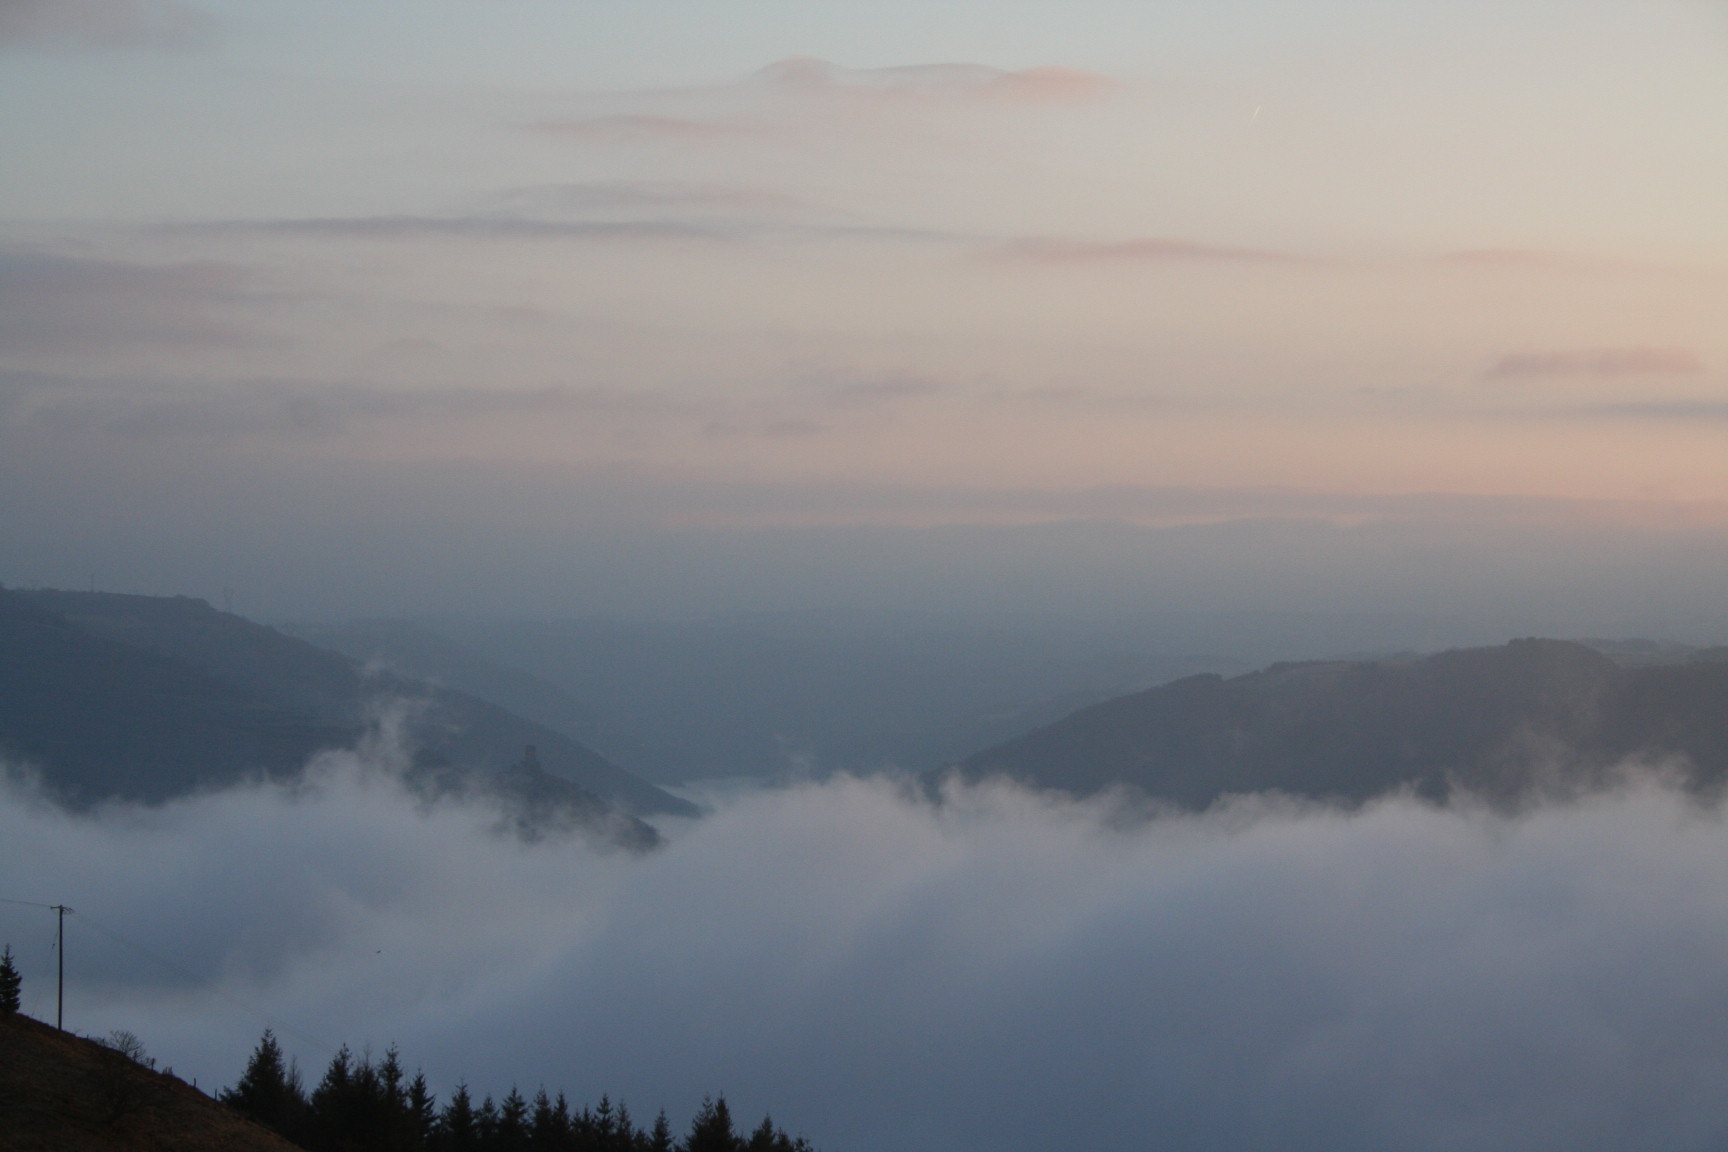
1002, 970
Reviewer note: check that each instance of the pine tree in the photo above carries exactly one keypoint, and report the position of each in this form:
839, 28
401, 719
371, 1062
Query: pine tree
549, 1130
10, 982
605, 1126
711, 1130
486, 1124
422, 1111
659, 1139
457, 1129
512, 1131
269, 1090
762, 1140
627, 1138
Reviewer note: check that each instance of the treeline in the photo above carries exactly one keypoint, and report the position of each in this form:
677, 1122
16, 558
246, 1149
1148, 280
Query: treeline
362, 1105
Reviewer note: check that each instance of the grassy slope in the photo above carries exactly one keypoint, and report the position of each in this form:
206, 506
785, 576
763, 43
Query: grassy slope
60, 1093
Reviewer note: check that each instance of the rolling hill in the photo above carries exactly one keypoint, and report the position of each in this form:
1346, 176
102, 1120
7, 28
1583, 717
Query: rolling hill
1504, 722
145, 698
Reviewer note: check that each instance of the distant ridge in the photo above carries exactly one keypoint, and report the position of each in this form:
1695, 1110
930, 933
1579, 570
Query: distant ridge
150, 697
1533, 716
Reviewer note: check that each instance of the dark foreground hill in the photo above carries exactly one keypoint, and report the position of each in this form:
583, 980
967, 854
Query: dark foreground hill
1531, 716
147, 697
60, 1093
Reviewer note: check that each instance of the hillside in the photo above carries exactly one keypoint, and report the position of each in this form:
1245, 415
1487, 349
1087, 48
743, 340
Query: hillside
1500, 722
61, 1093
146, 697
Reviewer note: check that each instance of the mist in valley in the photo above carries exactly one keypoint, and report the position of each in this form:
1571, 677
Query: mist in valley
993, 968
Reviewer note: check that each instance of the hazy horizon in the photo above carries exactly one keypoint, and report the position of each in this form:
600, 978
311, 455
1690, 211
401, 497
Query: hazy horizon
656, 310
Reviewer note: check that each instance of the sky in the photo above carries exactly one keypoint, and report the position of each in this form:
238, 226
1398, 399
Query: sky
673, 306
1004, 971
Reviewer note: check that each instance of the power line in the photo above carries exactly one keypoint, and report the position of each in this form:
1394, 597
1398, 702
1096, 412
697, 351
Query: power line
59, 911
180, 970
188, 974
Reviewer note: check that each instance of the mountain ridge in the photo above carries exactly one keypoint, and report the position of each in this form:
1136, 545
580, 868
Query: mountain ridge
1503, 722
144, 698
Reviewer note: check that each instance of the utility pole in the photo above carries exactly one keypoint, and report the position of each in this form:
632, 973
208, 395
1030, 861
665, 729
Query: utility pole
60, 947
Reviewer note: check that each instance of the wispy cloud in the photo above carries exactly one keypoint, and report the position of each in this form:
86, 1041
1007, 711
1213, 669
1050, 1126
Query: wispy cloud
1148, 250
975, 82
806, 102
278, 408
640, 127
645, 197
1682, 411
104, 24
1637, 361
469, 227
51, 302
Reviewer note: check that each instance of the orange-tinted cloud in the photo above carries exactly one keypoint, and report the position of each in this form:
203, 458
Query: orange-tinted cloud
1053, 85
1050, 250
1597, 362
1032, 85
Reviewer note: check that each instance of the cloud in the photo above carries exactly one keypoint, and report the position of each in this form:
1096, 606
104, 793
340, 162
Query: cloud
847, 390
638, 127
290, 408
804, 75
1688, 411
805, 102
1007, 971
104, 24
464, 227
1153, 250
631, 198
50, 302
147, 409
1637, 361
644, 221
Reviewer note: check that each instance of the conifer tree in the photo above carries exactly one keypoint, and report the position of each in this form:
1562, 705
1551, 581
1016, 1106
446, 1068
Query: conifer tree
457, 1129
762, 1140
628, 1138
564, 1123
512, 1131
604, 1126
10, 983
486, 1124
269, 1090
659, 1138
422, 1111
711, 1129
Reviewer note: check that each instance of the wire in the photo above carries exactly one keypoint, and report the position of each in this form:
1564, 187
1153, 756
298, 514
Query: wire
118, 938
180, 970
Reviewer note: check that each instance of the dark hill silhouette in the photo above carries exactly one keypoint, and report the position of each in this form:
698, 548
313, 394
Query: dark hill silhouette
1530, 716
147, 697
104, 719
61, 1093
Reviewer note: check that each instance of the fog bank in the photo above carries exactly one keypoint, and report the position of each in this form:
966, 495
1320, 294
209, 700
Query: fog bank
1004, 971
